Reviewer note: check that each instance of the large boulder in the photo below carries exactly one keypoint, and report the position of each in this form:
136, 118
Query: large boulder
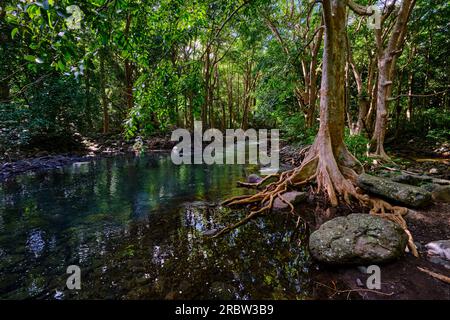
357, 239
407, 195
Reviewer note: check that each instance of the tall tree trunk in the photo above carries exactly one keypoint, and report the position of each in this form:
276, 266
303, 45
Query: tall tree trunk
398, 107
129, 84
363, 103
128, 66
247, 80
409, 109
386, 70
207, 91
313, 75
230, 99
103, 94
328, 158
88, 103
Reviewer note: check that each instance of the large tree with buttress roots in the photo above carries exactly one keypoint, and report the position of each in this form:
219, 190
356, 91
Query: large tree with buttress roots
327, 161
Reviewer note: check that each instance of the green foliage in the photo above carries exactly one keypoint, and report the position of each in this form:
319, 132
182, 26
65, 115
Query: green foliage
56, 80
50, 111
358, 145
296, 130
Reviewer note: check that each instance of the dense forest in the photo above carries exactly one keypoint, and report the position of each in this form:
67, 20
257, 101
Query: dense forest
140, 69
90, 91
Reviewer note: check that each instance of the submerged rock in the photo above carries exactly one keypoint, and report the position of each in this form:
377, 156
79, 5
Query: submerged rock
358, 239
439, 248
439, 252
294, 197
210, 233
402, 193
253, 178
222, 291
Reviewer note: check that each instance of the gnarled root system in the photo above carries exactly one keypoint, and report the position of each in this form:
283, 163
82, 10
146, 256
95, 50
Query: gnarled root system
335, 178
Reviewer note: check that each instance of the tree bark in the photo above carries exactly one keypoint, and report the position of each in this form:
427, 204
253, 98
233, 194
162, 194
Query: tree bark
103, 94
128, 66
335, 168
386, 69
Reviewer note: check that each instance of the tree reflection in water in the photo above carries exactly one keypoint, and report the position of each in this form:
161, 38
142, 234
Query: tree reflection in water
136, 227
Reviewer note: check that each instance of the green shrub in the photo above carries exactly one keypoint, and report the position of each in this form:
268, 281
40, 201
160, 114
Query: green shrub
357, 145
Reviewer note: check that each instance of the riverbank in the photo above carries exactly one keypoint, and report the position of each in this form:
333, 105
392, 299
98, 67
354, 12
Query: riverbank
400, 279
85, 149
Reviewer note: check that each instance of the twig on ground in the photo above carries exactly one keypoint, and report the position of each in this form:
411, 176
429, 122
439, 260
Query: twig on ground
435, 275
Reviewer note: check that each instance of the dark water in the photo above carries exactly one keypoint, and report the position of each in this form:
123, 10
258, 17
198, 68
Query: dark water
135, 227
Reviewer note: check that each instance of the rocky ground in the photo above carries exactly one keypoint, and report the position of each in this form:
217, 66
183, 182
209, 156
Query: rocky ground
428, 221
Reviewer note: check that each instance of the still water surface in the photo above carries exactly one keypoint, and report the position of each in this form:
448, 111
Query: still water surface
136, 228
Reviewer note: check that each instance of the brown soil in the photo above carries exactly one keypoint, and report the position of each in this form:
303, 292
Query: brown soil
401, 280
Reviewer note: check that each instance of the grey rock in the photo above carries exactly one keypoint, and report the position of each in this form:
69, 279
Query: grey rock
441, 194
414, 180
294, 197
402, 193
253, 178
357, 239
359, 283
438, 260
439, 248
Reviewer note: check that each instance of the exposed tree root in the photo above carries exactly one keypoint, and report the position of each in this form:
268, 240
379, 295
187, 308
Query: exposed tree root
257, 184
337, 181
435, 275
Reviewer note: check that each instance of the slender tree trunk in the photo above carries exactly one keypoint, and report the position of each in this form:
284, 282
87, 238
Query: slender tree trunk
363, 106
409, 109
103, 94
383, 87
128, 66
191, 110
230, 99
246, 102
386, 70
238, 106
398, 106
88, 105
313, 75
5, 39
207, 79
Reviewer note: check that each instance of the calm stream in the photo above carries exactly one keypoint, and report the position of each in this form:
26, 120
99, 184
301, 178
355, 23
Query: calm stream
136, 228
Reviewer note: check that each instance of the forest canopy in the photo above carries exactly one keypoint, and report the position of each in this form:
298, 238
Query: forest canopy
141, 68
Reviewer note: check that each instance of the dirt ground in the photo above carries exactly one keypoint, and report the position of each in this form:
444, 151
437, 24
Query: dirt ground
400, 280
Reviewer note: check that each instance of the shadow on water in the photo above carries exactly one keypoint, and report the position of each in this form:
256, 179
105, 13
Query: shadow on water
138, 227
